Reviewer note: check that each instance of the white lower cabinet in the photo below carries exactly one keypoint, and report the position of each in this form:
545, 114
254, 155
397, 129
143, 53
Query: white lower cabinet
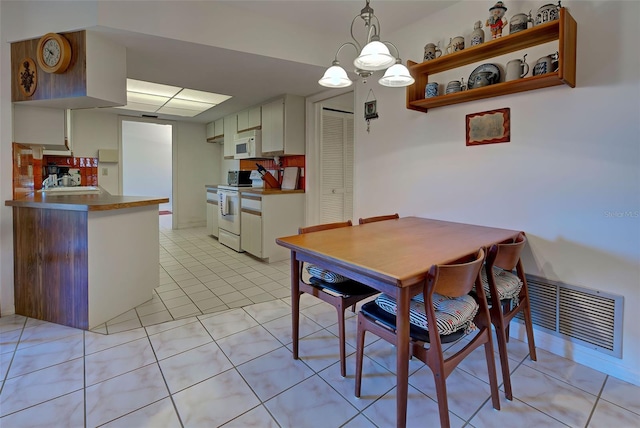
212, 212
251, 233
264, 218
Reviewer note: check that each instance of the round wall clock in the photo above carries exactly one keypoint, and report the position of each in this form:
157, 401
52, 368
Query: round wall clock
54, 53
27, 77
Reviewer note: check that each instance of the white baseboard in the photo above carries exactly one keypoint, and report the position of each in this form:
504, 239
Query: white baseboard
557, 345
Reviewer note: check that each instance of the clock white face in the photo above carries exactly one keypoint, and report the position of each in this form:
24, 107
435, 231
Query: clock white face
51, 52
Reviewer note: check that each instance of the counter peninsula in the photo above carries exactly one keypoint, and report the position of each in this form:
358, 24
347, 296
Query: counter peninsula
83, 259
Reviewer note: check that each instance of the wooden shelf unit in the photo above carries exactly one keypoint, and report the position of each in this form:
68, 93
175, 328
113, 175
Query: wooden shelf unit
563, 29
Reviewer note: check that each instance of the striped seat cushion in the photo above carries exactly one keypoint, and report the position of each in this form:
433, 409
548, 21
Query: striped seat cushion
452, 313
508, 284
325, 275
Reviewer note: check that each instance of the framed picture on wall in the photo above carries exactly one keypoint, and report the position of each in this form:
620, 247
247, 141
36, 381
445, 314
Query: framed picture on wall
370, 110
488, 127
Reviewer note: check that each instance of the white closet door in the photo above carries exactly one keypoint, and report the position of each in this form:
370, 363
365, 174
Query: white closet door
336, 155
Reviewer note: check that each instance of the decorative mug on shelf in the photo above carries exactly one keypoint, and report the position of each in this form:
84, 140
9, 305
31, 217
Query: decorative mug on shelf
431, 51
455, 44
548, 12
546, 64
519, 22
431, 90
516, 69
454, 86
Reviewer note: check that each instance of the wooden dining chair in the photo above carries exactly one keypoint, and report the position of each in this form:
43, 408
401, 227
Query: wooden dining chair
444, 312
332, 288
507, 294
378, 218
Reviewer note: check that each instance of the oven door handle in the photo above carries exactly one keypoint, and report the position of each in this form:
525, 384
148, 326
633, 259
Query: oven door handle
223, 202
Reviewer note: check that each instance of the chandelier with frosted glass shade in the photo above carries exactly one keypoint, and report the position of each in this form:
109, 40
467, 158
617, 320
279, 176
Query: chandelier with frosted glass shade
372, 57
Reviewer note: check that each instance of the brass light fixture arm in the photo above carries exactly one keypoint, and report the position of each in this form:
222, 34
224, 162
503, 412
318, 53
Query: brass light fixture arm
340, 48
394, 48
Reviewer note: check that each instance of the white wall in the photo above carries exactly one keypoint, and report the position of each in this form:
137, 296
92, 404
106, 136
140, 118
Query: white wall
571, 168
92, 130
194, 166
146, 160
196, 162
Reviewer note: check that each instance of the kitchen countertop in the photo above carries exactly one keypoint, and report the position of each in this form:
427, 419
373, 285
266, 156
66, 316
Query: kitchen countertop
103, 201
258, 190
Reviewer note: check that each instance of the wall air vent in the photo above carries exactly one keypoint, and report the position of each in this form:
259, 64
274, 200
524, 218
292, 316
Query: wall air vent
591, 318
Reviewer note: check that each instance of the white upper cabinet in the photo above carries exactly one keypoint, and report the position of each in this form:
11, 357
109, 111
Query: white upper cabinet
211, 131
230, 129
283, 126
250, 118
215, 131
41, 126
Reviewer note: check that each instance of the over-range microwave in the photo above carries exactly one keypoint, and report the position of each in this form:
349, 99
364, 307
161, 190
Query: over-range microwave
248, 144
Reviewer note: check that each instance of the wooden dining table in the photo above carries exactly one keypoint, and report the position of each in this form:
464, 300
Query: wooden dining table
392, 256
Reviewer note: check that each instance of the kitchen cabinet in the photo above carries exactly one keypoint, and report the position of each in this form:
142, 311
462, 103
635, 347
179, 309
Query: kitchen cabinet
230, 129
41, 126
96, 77
263, 218
212, 211
251, 233
564, 30
250, 119
219, 128
215, 131
283, 126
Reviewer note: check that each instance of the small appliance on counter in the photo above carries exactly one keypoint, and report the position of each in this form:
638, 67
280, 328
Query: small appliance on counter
62, 177
239, 178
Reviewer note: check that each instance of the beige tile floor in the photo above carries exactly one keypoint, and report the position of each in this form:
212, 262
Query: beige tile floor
224, 359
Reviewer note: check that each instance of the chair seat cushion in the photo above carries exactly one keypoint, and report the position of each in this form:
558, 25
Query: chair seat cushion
452, 313
346, 289
508, 285
325, 275
372, 310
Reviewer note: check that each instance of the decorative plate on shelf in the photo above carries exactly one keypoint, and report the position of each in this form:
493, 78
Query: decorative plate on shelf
484, 75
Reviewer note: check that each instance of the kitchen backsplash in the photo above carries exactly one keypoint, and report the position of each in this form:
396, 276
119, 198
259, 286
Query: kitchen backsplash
299, 161
23, 173
29, 173
87, 168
